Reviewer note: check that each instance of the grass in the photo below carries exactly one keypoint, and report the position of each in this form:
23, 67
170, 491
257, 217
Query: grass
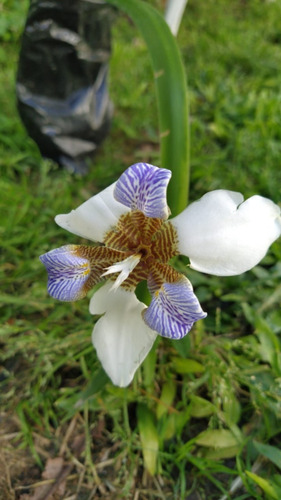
204, 413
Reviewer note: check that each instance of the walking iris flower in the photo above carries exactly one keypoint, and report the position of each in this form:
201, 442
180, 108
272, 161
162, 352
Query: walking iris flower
221, 234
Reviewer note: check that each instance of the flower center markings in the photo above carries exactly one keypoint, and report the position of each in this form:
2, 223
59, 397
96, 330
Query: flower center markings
153, 239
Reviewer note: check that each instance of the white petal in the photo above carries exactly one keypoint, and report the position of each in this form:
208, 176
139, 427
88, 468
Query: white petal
223, 236
95, 216
121, 338
124, 267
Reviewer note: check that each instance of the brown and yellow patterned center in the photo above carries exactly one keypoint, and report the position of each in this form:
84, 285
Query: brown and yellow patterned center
154, 239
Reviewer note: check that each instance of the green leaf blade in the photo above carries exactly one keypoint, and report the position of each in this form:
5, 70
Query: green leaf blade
149, 438
171, 93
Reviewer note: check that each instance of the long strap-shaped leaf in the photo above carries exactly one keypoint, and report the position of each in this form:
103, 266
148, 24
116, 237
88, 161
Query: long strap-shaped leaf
171, 91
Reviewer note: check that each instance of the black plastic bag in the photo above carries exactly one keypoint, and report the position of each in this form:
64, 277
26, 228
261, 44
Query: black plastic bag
61, 86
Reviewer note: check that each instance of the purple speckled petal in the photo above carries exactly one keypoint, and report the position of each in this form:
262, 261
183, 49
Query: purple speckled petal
67, 273
174, 309
143, 187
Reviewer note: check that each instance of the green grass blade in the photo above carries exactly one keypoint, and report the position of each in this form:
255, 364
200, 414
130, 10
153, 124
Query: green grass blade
149, 438
171, 92
271, 452
265, 485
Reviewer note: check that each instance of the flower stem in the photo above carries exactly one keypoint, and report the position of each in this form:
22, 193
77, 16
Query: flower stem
171, 93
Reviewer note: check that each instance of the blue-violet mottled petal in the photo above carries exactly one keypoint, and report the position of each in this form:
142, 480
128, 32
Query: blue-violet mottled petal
173, 310
143, 187
67, 273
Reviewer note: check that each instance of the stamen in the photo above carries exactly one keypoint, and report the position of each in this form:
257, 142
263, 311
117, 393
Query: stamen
125, 267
